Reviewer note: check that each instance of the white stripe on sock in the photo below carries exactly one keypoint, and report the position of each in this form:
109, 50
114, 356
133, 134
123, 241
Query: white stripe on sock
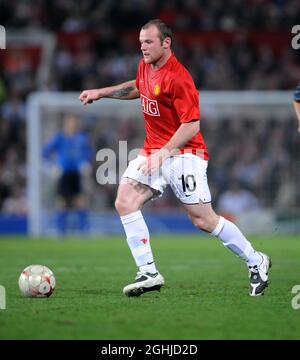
126, 219
219, 227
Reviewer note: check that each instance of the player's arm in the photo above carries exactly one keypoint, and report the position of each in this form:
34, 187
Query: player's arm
185, 100
297, 104
124, 91
183, 135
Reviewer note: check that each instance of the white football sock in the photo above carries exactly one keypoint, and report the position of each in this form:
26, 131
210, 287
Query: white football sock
234, 240
138, 239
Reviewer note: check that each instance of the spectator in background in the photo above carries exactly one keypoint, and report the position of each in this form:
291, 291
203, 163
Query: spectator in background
235, 200
72, 163
297, 104
287, 194
16, 202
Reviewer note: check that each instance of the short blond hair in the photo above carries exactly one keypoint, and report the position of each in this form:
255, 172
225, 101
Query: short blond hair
163, 29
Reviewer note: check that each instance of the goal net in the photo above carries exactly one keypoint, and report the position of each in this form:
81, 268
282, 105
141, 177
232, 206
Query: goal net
251, 137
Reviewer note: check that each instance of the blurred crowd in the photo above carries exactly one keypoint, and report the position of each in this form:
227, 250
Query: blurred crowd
220, 42
241, 64
258, 156
203, 15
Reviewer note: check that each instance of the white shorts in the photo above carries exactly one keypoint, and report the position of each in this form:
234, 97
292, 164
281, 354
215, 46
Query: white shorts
185, 173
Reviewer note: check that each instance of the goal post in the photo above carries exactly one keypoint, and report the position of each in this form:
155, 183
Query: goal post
44, 111
43, 115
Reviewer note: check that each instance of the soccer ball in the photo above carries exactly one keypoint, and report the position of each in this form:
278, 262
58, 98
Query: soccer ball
37, 281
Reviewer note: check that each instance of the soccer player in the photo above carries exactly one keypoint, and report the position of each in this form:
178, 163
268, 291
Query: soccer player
73, 155
174, 153
297, 104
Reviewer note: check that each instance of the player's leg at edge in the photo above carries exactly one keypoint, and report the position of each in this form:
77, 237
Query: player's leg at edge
203, 216
130, 198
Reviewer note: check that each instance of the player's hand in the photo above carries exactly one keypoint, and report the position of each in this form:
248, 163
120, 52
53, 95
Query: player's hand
152, 164
88, 96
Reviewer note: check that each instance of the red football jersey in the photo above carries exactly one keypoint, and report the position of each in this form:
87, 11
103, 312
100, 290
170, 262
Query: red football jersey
168, 97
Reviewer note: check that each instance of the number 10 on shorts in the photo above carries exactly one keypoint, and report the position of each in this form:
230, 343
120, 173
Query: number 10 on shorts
188, 183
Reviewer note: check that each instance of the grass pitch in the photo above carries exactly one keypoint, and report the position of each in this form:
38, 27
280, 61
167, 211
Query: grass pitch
205, 297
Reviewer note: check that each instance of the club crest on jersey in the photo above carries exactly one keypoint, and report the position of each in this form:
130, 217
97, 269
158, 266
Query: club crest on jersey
149, 106
156, 89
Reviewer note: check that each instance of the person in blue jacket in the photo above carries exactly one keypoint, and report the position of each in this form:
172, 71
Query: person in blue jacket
72, 152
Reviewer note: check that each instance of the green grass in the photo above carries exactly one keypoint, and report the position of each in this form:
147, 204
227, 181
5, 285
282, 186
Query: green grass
205, 297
